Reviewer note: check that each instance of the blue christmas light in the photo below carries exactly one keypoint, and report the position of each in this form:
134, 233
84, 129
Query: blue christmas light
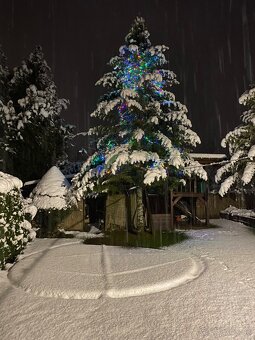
98, 159
99, 169
168, 102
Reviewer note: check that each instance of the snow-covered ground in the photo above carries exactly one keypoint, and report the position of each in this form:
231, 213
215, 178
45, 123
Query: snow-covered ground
202, 288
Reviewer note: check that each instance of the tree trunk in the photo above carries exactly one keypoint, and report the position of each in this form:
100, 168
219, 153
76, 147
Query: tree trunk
140, 217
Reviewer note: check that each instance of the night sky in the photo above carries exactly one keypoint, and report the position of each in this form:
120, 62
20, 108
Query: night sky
212, 51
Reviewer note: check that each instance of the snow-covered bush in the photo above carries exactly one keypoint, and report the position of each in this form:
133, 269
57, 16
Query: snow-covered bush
51, 198
240, 170
51, 192
15, 218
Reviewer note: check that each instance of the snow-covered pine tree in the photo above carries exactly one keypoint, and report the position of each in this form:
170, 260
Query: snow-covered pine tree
4, 74
145, 133
240, 170
35, 137
4, 77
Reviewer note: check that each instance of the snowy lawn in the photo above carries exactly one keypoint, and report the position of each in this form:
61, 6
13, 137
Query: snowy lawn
202, 288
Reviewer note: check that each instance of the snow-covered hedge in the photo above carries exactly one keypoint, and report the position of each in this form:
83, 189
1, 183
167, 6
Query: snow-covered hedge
15, 217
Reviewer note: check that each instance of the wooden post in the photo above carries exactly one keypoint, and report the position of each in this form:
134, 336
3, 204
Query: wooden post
83, 214
166, 202
206, 207
171, 211
193, 211
148, 209
139, 206
195, 184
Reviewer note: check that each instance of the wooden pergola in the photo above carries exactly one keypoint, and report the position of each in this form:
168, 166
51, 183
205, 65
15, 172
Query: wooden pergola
175, 197
185, 198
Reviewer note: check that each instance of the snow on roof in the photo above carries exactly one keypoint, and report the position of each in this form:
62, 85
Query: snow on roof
208, 155
51, 191
9, 182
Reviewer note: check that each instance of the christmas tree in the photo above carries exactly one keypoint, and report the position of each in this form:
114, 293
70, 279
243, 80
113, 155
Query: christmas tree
34, 134
145, 135
240, 170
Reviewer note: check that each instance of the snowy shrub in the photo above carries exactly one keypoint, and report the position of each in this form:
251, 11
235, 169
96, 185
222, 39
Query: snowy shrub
51, 193
240, 142
51, 198
15, 227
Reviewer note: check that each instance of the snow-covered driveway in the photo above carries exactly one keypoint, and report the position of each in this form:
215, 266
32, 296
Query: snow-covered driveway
203, 288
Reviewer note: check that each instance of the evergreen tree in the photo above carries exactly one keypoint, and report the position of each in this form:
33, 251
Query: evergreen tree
4, 74
240, 142
146, 135
4, 77
35, 137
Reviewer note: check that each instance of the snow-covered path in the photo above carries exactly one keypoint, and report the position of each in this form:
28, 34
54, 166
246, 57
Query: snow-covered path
203, 288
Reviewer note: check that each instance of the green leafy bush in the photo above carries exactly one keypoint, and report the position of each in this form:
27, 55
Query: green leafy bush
15, 228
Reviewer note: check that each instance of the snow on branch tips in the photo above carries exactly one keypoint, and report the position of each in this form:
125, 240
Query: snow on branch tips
154, 174
248, 173
227, 183
195, 168
240, 143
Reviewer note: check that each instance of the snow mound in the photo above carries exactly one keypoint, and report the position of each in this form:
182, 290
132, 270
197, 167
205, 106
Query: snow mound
239, 212
8, 183
76, 271
93, 233
51, 191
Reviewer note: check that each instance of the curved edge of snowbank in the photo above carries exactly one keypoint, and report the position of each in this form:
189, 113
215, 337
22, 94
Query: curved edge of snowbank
193, 273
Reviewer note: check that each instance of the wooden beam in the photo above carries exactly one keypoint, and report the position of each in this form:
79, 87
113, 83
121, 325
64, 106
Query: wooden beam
171, 210
206, 214
188, 194
177, 199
